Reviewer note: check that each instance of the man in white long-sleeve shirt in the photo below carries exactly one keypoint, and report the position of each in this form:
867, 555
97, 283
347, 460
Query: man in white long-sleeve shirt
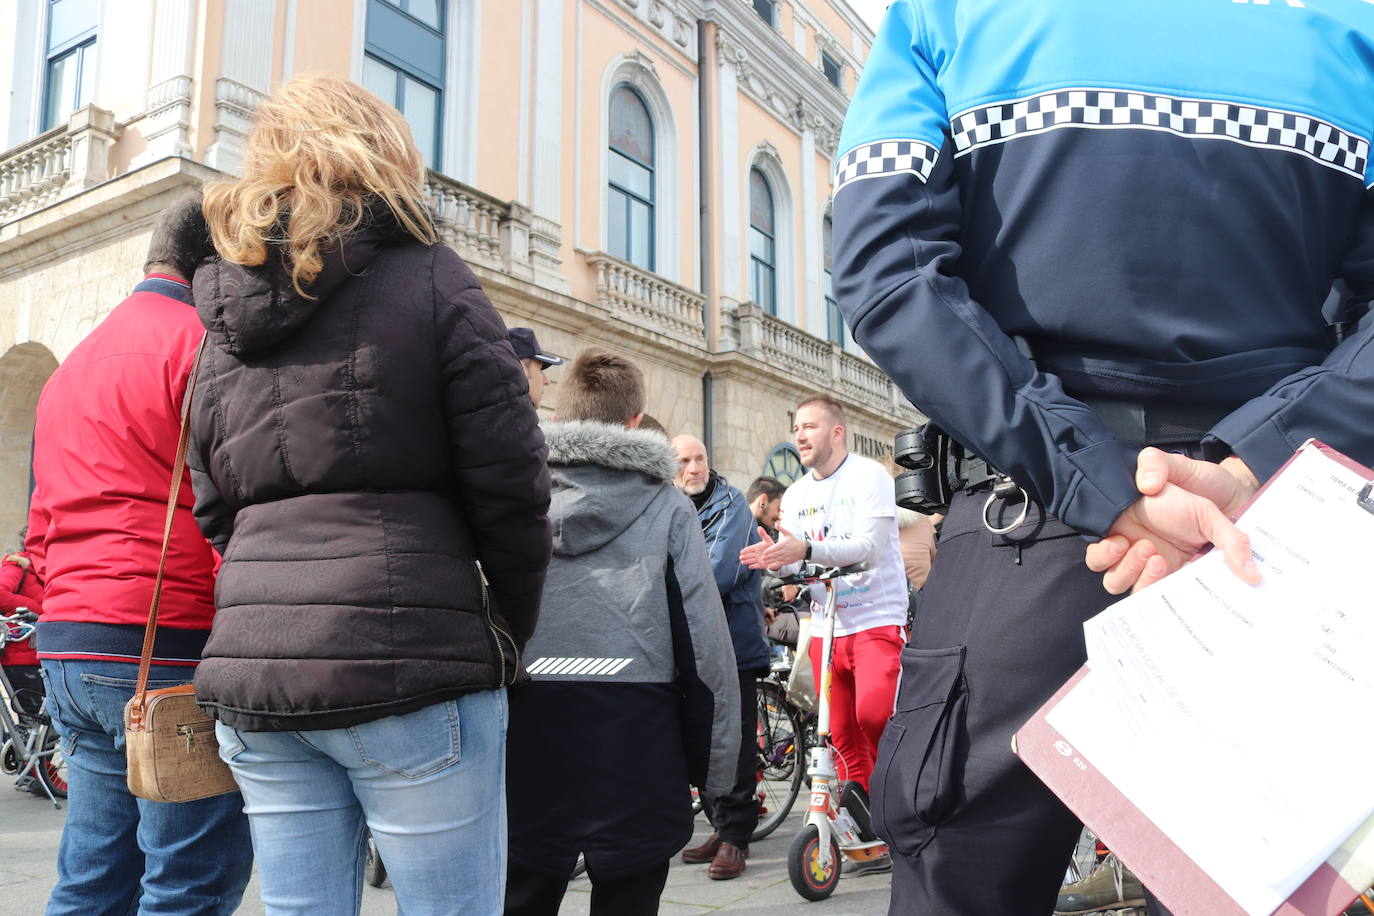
844, 511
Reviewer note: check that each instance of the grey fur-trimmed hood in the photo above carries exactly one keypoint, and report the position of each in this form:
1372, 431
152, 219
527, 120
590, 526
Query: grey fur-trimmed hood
604, 478
584, 442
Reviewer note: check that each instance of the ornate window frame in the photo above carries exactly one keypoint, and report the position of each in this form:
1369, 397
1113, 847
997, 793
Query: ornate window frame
766, 159
636, 70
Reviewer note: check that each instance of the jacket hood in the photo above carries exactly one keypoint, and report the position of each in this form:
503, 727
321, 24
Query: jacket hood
252, 310
604, 477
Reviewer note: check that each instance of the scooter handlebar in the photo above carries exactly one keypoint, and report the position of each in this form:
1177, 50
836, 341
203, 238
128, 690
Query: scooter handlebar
811, 572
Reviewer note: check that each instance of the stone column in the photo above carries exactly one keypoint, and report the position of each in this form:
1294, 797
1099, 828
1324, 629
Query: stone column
812, 259
546, 234
167, 125
731, 60
245, 77
91, 130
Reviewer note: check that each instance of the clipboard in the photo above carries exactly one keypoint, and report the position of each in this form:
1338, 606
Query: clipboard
1179, 883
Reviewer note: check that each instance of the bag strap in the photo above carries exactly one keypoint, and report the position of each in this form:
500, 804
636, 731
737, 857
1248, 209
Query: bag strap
145, 660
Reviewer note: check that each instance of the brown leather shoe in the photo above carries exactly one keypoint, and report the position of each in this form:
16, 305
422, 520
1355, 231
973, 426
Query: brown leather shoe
728, 863
706, 852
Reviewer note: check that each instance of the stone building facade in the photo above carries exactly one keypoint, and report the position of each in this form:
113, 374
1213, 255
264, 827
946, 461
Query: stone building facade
648, 175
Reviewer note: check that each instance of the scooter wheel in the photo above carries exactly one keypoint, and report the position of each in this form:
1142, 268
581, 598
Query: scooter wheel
804, 868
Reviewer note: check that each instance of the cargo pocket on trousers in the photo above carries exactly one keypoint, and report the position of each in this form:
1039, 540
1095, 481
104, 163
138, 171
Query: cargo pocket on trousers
917, 778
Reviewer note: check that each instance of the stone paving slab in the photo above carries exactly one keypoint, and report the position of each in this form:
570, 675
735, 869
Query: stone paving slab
30, 829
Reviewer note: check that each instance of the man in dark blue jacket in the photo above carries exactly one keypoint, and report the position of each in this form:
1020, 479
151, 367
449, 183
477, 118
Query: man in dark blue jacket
1068, 231
729, 527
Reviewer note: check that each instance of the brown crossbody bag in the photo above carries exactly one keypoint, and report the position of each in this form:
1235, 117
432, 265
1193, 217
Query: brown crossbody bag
169, 741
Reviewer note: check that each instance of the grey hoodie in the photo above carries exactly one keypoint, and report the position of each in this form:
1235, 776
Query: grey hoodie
630, 597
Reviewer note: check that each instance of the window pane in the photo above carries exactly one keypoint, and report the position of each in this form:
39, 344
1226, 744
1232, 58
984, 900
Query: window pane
764, 288
760, 202
381, 79
60, 89
765, 9
421, 108
70, 20
827, 233
834, 321
85, 76
641, 229
761, 247
617, 232
427, 11
631, 176
831, 68
632, 132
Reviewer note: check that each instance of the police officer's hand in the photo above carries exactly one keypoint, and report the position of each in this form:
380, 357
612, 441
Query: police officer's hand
1159, 533
1229, 484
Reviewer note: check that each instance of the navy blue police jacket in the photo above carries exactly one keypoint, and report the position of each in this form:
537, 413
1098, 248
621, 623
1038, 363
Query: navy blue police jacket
1157, 195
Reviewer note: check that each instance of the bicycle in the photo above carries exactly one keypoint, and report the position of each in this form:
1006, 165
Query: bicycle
782, 730
830, 830
30, 747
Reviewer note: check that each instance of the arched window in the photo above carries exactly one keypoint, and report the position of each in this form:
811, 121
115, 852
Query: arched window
763, 246
834, 321
783, 464
630, 195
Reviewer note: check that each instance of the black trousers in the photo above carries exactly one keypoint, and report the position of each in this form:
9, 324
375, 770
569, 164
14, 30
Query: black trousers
537, 893
735, 814
28, 688
973, 832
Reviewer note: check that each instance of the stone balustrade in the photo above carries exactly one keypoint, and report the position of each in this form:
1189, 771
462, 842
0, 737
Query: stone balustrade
647, 300
819, 363
468, 220
63, 161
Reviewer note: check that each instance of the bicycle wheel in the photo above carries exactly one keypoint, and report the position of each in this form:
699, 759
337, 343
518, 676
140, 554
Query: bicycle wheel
782, 758
809, 878
1087, 853
52, 767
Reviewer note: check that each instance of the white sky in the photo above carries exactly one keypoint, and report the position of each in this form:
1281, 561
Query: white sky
870, 10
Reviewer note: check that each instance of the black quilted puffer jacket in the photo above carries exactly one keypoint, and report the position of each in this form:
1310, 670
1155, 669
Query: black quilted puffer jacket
362, 458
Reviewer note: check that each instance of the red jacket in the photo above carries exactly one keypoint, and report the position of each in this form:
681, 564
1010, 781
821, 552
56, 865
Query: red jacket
19, 588
104, 444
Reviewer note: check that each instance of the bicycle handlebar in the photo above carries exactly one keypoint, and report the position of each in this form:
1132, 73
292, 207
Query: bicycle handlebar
811, 573
18, 627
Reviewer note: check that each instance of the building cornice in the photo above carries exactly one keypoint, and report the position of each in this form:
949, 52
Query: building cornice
766, 71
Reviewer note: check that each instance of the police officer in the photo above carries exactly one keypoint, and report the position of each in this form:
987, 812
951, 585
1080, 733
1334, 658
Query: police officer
1155, 198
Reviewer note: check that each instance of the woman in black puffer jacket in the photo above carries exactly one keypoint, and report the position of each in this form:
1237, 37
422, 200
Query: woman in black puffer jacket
366, 458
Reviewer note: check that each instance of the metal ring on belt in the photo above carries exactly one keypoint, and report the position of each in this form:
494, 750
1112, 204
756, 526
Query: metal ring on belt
1021, 517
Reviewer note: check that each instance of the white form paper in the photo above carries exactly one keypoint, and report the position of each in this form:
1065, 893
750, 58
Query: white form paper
1236, 718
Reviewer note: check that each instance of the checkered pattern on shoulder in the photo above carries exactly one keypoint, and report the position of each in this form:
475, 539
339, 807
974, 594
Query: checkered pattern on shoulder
1200, 119
886, 157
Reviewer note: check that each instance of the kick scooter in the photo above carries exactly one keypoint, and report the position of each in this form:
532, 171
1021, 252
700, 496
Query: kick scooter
829, 831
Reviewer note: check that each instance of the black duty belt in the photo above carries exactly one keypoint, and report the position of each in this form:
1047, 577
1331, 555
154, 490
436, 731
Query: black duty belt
1169, 423
1162, 424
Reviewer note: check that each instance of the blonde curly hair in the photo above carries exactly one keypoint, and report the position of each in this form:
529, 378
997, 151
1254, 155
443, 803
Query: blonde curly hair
321, 149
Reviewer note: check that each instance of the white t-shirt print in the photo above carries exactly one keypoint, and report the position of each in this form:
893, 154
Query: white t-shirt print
821, 510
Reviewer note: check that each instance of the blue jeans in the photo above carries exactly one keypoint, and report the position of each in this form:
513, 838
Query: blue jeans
429, 784
120, 854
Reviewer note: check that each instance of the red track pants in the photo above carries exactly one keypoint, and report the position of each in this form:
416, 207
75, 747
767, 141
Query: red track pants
863, 686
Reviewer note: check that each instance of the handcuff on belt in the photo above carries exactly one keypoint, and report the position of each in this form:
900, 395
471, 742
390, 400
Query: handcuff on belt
937, 467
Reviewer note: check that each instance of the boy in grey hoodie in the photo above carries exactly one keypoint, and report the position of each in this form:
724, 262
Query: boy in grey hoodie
633, 694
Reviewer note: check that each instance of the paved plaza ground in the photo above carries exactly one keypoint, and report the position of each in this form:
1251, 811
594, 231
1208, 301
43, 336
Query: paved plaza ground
30, 827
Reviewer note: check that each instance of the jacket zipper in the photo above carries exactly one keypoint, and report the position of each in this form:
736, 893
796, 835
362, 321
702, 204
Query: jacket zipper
495, 630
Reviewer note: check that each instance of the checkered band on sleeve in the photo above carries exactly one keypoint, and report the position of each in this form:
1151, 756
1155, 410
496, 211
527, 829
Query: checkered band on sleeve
1199, 119
886, 157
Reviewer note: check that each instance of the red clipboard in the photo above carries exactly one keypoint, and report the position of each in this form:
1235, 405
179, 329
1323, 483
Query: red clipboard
1165, 869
